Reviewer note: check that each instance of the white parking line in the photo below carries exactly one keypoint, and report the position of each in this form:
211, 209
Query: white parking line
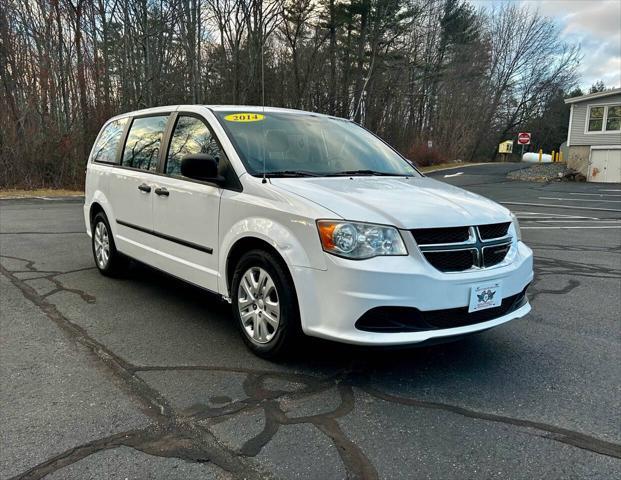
571, 207
550, 215
578, 200
594, 220
568, 228
560, 219
554, 217
596, 194
608, 190
541, 220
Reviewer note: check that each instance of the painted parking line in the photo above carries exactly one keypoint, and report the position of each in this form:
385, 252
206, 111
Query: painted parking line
548, 213
579, 200
570, 227
570, 207
552, 216
594, 220
559, 219
609, 190
596, 194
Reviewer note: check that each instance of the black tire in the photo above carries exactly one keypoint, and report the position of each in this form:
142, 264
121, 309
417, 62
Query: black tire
289, 331
116, 263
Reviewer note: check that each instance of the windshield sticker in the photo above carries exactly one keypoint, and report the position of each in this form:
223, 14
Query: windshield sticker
244, 117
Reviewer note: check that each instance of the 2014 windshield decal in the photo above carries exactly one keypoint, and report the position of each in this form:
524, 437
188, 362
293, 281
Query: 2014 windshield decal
244, 117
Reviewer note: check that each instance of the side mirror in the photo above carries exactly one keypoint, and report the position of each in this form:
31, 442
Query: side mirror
201, 166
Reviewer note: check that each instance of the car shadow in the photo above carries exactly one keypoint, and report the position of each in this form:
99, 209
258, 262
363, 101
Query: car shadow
318, 355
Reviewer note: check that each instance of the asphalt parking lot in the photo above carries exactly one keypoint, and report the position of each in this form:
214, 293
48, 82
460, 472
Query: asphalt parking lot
145, 377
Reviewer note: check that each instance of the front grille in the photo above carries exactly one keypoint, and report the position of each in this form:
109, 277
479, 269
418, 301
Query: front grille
456, 249
409, 319
430, 236
494, 230
452, 260
495, 254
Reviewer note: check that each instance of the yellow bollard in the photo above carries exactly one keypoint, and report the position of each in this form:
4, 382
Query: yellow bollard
540, 154
560, 156
552, 155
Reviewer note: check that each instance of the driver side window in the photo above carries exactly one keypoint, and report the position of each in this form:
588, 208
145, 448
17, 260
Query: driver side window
191, 136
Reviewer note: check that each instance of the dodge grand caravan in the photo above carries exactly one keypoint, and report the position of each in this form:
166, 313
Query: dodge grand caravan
305, 223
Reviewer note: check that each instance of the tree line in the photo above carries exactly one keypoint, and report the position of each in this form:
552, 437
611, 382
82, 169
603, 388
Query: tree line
417, 72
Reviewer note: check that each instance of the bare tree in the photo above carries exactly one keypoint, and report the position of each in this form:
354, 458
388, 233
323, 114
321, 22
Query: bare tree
410, 70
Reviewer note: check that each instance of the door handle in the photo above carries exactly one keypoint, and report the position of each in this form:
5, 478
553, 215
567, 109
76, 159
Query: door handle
162, 192
144, 188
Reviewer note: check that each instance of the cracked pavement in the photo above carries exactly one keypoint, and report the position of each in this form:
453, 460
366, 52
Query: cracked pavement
146, 377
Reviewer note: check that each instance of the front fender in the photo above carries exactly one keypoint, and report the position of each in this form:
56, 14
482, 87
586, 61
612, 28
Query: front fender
293, 244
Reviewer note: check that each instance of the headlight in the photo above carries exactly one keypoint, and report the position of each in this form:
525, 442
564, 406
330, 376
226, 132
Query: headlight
359, 240
516, 225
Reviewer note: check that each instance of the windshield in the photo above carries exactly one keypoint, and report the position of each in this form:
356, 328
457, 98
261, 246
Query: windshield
294, 144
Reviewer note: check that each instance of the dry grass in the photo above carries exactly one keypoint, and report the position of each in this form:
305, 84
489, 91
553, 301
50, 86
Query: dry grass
445, 166
61, 192
39, 192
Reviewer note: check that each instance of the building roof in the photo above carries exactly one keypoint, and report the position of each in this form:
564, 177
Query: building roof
591, 96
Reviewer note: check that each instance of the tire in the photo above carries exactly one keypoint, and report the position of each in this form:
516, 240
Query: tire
254, 304
108, 260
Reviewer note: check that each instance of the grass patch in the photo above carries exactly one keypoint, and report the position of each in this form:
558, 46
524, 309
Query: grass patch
444, 166
39, 192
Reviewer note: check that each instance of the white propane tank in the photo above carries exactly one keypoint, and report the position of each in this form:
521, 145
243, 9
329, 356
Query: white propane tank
533, 157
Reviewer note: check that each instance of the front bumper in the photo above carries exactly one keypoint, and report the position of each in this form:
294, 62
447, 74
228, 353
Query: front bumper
332, 300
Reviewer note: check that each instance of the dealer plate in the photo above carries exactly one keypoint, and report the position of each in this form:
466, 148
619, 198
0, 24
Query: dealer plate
485, 296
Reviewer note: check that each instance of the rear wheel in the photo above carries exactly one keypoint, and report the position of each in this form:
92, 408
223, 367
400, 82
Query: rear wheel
108, 260
265, 304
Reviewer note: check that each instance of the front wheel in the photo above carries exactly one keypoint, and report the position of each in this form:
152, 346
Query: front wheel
265, 304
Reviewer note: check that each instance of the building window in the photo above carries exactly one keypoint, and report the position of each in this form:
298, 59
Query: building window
604, 118
596, 119
613, 118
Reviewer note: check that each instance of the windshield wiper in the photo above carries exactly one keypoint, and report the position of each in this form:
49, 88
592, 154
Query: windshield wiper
365, 172
291, 173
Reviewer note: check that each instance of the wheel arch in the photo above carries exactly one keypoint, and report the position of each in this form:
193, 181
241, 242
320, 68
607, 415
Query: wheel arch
292, 246
94, 210
246, 244
99, 203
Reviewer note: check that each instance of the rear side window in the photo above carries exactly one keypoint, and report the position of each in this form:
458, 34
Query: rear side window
190, 136
107, 144
142, 148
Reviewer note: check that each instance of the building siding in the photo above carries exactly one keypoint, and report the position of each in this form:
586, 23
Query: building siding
577, 136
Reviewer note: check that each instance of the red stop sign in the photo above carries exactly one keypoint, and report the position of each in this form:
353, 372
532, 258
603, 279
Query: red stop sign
524, 138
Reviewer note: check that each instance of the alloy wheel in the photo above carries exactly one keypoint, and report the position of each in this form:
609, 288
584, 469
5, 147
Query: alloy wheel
102, 245
258, 305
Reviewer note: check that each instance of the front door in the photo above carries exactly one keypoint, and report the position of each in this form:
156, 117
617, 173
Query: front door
185, 212
131, 187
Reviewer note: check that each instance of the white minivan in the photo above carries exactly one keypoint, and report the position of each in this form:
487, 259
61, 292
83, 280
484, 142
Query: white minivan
306, 223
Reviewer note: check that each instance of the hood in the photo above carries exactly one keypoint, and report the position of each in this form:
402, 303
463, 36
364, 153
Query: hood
403, 202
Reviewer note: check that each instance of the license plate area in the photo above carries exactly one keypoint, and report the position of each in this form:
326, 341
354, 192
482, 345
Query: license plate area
485, 296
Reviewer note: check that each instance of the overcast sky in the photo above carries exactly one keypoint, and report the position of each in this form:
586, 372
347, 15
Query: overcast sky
594, 24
